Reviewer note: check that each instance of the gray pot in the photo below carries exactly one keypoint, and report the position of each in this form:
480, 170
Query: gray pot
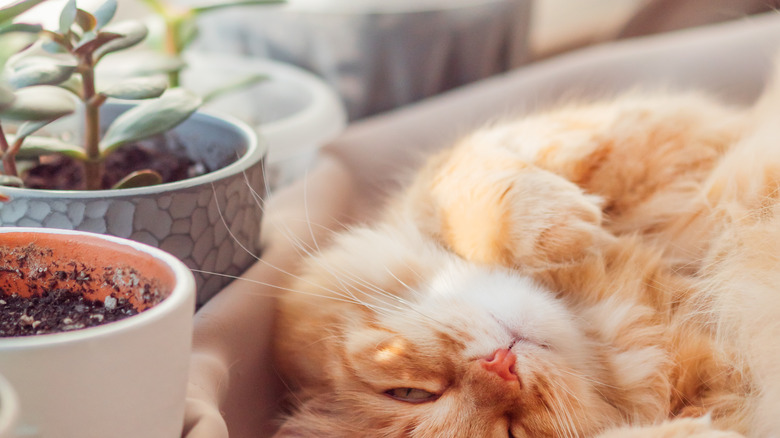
210, 222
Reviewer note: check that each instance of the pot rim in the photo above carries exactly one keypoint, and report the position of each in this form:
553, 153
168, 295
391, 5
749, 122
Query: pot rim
255, 151
321, 120
382, 8
182, 294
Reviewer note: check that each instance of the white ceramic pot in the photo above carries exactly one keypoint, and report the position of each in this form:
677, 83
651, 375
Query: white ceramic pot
124, 379
294, 111
9, 409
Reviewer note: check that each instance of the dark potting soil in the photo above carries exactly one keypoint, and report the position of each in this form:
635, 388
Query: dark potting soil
61, 173
57, 310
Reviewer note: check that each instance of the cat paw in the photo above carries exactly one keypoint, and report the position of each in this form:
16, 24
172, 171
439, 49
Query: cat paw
517, 215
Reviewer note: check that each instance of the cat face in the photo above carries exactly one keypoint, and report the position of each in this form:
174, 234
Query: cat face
472, 352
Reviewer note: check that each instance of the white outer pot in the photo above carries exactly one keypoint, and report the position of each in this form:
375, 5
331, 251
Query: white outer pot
125, 379
9, 409
294, 111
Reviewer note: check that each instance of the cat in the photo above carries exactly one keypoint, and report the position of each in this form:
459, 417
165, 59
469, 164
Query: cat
607, 269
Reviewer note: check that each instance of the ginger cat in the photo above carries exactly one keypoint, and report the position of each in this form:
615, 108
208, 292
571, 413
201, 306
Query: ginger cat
600, 270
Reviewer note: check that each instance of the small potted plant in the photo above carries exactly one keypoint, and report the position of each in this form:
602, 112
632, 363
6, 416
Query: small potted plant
197, 195
295, 111
180, 29
95, 334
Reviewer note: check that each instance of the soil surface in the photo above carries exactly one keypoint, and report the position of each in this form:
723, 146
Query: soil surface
45, 292
57, 172
58, 310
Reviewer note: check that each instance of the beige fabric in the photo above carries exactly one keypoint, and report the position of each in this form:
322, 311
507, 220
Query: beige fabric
658, 16
233, 385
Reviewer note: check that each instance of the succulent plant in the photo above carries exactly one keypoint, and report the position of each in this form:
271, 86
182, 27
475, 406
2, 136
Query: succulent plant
180, 29
54, 69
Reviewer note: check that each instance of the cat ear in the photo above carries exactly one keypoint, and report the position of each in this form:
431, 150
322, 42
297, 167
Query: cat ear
510, 213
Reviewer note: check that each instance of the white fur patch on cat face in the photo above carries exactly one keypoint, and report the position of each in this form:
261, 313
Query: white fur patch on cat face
501, 308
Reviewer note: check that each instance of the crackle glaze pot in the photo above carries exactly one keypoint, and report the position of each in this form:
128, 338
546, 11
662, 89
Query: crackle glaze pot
210, 222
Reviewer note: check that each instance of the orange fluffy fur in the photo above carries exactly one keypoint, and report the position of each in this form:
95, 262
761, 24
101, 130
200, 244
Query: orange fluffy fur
626, 252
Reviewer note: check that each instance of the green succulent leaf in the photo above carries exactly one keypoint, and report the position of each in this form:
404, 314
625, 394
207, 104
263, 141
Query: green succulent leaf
6, 97
21, 27
222, 4
150, 118
86, 21
68, 16
74, 84
238, 84
41, 102
9, 181
40, 73
36, 146
155, 5
36, 59
188, 31
132, 33
54, 42
53, 48
13, 43
104, 13
86, 37
138, 88
149, 64
95, 42
9, 12
139, 178
28, 128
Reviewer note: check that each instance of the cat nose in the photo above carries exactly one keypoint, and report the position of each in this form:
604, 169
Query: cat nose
501, 363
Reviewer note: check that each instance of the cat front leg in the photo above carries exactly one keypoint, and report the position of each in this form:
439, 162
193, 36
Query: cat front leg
492, 208
678, 428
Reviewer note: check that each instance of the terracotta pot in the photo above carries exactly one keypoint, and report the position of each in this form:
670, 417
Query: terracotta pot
211, 222
121, 379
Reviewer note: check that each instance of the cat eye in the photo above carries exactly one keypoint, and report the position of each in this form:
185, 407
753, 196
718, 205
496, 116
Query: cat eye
411, 395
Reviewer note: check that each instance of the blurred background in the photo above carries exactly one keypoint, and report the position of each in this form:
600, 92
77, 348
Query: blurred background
380, 55
327, 63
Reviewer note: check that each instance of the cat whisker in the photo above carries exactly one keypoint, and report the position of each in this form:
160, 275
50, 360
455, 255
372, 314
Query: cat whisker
558, 413
229, 231
348, 289
347, 293
275, 286
378, 292
409, 288
260, 203
590, 380
566, 408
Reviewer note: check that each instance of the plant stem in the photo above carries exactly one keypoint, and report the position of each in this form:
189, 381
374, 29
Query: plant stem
9, 164
3, 141
9, 158
93, 167
172, 47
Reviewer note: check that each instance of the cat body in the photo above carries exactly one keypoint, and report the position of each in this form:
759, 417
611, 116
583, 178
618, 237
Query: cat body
602, 269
